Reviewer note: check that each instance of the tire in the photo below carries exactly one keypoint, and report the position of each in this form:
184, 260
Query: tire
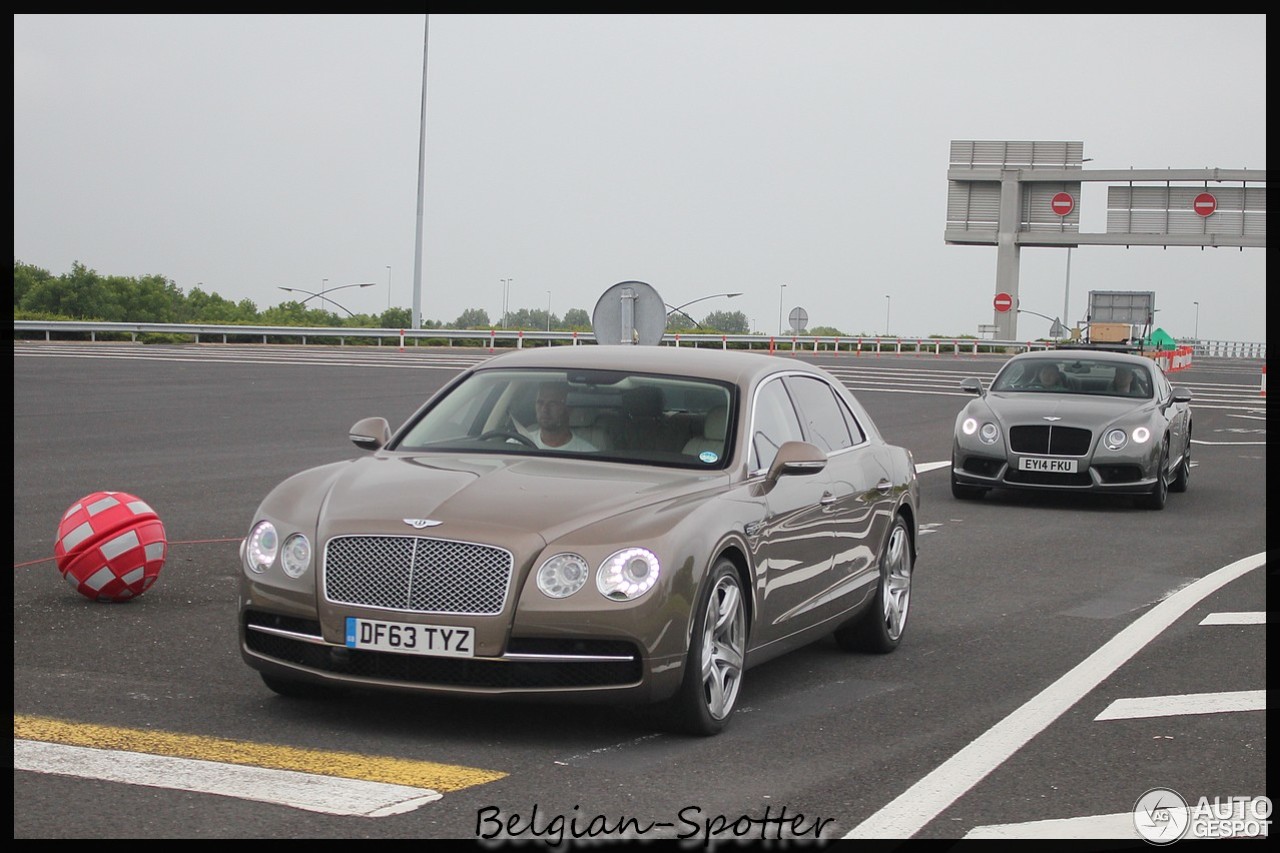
880, 628
1183, 474
1159, 493
292, 689
717, 650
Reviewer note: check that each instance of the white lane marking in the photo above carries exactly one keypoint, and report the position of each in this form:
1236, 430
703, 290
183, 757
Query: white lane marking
1253, 617
308, 791
1110, 826
922, 802
1227, 443
924, 467
1185, 703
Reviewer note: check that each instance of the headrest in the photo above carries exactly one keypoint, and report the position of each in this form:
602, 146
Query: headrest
716, 424
643, 402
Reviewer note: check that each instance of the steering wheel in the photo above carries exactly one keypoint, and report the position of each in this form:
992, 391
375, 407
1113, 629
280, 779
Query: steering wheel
504, 435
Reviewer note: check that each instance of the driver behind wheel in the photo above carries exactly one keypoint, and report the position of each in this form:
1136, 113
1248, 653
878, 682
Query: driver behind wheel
552, 410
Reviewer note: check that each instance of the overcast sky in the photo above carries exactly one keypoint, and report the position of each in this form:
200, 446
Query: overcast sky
702, 154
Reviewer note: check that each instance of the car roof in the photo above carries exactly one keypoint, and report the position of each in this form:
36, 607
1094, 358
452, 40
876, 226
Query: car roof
1107, 356
737, 366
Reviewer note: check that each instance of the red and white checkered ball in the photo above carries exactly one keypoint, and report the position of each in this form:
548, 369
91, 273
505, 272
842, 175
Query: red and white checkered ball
110, 546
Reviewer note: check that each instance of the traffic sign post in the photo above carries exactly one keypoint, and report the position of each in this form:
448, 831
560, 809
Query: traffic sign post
1205, 204
1063, 204
1003, 302
799, 319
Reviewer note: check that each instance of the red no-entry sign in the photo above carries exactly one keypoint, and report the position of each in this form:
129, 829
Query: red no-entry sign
1205, 204
1063, 204
1003, 302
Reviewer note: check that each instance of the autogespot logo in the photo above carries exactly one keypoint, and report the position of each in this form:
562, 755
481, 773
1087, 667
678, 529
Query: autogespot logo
1161, 816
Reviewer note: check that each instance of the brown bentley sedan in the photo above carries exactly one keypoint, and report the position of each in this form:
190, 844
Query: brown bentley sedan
625, 524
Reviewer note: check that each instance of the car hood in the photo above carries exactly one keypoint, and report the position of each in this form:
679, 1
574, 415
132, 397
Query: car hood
1071, 408
483, 496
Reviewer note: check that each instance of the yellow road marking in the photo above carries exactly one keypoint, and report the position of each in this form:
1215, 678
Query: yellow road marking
347, 765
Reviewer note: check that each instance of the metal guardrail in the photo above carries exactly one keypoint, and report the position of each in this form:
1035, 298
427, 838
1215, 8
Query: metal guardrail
1227, 349
511, 338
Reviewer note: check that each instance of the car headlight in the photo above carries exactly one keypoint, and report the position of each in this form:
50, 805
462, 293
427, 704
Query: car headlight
1141, 434
562, 575
261, 547
988, 432
1115, 439
296, 556
628, 574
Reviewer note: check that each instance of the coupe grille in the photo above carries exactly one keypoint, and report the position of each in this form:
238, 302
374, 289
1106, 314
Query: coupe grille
1041, 478
1050, 440
417, 574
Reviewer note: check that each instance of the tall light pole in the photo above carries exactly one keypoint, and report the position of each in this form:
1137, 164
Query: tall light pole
388, 287
506, 283
1197, 334
548, 310
887, 303
699, 299
781, 288
321, 295
1066, 292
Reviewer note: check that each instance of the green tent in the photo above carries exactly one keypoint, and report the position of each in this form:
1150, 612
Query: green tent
1159, 340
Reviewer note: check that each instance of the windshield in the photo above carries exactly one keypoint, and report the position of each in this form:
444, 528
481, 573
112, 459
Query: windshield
1074, 375
620, 416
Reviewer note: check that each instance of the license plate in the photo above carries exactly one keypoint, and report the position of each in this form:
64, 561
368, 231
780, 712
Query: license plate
1047, 464
410, 638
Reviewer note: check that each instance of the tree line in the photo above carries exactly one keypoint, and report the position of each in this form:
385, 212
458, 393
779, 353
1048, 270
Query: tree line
84, 295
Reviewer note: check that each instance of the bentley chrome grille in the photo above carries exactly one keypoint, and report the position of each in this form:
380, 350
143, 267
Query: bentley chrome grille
1051, 440
417, 574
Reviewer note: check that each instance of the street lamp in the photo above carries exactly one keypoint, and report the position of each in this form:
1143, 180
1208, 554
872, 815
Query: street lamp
699, 299
321, 295
781, 288
548, 310
887, 303
1057, 330
506, 287
1197, 334
1066, 291
388, 287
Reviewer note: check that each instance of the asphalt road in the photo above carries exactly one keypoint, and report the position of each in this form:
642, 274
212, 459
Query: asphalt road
1038, 626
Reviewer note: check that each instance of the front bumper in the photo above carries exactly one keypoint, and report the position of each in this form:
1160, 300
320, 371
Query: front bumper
998, 472
610, 670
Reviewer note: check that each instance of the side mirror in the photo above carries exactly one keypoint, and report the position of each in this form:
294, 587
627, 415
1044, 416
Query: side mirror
795, 457
370, 433
1181, 395
972, 385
